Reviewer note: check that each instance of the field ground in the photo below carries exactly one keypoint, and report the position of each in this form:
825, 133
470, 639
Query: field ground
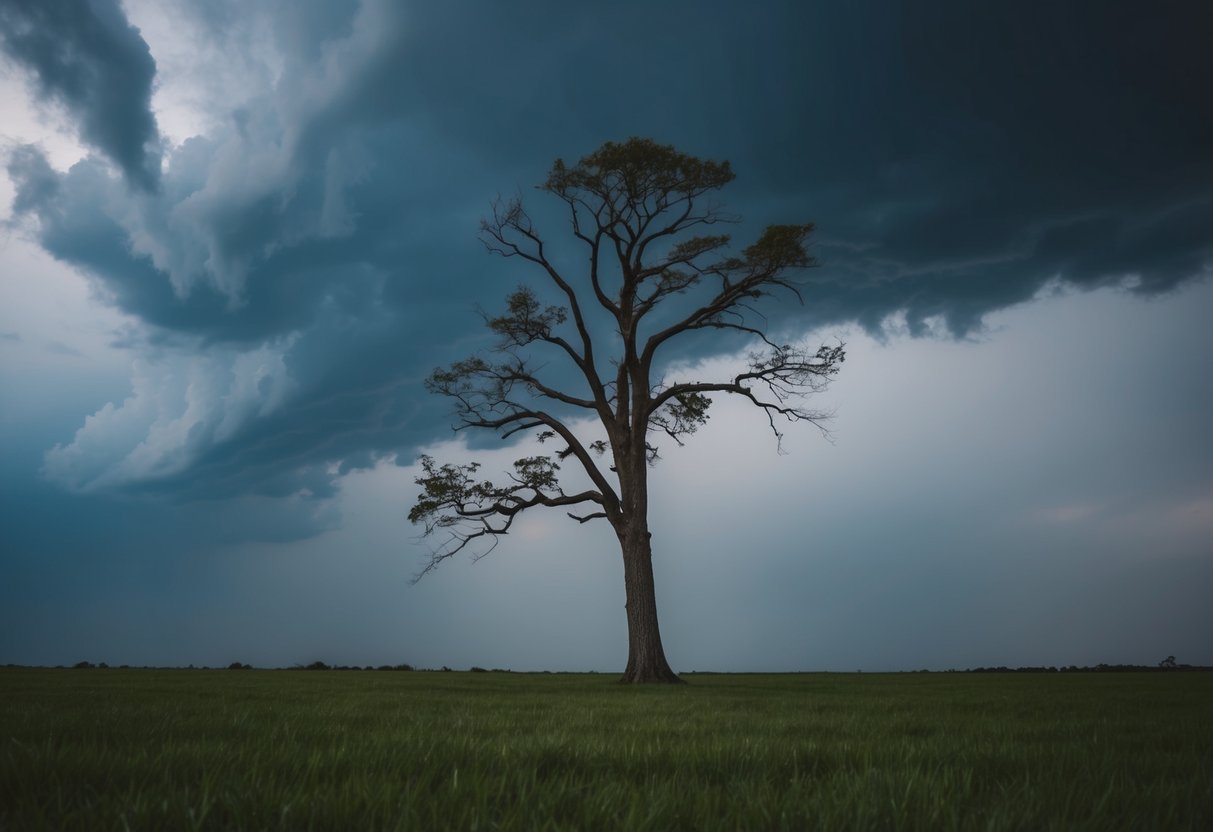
218, 749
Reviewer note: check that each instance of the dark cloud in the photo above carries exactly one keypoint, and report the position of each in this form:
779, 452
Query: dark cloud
84, 55
1014, 149
309, 261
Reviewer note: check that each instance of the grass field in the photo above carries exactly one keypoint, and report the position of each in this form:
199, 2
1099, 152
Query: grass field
196, 749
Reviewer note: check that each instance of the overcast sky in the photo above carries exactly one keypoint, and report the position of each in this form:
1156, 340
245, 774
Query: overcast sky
236, 236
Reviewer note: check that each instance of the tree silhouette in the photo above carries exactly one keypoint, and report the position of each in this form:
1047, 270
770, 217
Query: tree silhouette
635, 206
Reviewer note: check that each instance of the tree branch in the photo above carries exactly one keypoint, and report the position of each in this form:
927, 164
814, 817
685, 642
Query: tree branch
757, 274
515, 219
641, 203
788, 374
453, 499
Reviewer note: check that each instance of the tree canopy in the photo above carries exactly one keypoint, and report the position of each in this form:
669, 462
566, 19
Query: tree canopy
641, 212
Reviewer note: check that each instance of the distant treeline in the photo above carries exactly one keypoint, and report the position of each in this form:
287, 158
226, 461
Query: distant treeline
1162, 667
242, 666
1099, 668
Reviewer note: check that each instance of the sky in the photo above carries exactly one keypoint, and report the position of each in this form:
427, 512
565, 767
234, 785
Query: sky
235, 237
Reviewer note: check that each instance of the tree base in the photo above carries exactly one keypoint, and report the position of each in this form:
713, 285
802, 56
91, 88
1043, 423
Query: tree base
651, 676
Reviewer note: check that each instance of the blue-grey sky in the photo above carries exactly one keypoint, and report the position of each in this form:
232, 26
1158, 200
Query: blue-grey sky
237, 235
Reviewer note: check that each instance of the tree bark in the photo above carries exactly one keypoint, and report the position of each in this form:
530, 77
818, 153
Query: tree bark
646, 656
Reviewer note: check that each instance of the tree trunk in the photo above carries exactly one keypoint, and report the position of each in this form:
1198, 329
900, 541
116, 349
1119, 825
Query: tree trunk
646, 657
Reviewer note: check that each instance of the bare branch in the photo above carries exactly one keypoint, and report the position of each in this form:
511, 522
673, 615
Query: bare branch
785, 374
453, 499
510, 219
759, 273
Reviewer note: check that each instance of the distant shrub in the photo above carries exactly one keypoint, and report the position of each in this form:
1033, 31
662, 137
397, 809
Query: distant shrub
239, 666
317, 666
445, 669
475, 669
83, 666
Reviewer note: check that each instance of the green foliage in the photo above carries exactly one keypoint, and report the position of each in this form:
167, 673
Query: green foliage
451, 492
537, 473
682, 415
637, 170
444, 486
279, 750
526, 320
780, 247
461, 378
689, 249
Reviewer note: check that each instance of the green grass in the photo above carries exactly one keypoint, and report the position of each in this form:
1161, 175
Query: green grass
193, 749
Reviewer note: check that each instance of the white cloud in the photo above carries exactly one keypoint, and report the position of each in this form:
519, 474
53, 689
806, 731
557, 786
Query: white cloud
247, 103
27, 121
180, 406
204, 74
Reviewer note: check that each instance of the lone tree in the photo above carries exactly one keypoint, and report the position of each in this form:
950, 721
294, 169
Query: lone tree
650, 278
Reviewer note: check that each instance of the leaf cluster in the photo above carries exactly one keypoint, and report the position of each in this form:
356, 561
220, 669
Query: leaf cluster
637, 171
526, 320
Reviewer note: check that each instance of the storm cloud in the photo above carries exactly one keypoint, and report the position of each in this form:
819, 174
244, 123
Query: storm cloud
86, 57
294, 272
237, 236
